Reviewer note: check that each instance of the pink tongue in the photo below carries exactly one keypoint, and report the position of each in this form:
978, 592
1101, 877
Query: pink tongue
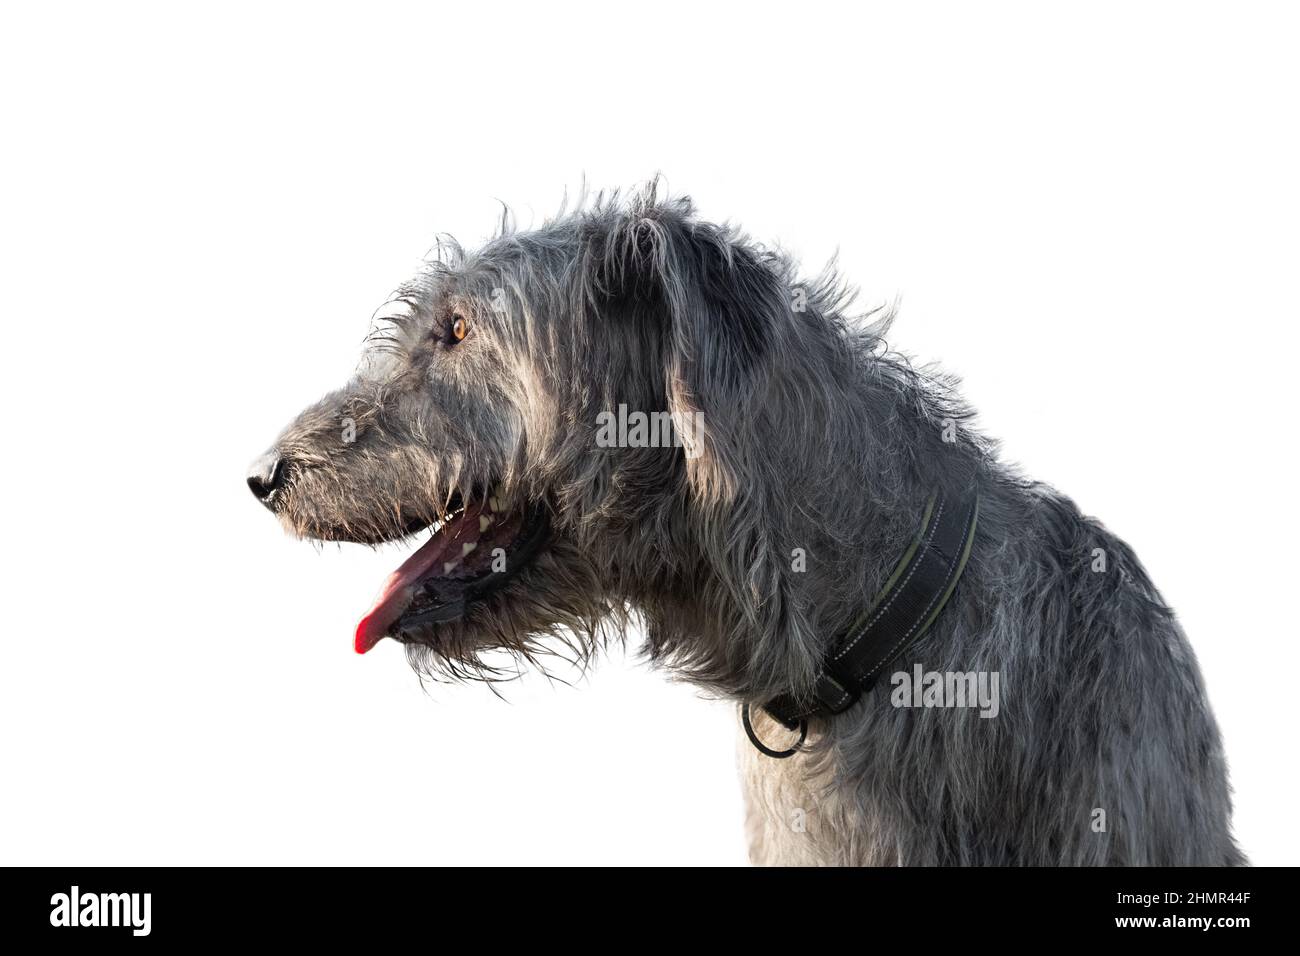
399, 590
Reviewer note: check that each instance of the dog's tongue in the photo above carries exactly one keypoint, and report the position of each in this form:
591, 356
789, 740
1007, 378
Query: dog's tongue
399, 590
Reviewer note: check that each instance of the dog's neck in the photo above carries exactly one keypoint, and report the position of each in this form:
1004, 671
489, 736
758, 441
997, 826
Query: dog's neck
780, 570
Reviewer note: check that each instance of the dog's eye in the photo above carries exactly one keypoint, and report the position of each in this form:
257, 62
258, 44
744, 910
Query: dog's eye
459, 328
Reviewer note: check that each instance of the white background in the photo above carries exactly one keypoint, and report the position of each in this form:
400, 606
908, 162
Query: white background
1089, 212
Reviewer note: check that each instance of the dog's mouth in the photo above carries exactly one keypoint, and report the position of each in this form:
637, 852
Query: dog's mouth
470, 555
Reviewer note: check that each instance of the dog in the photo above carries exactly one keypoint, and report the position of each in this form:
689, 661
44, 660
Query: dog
509, 399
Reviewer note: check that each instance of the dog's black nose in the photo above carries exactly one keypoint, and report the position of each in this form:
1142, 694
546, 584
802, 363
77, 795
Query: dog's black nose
265, 476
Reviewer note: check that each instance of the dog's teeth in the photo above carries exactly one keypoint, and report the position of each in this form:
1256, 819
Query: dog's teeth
449, 566
484, 522
467, 547
493, 504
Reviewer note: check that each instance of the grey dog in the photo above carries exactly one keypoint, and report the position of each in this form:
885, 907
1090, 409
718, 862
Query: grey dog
805, 453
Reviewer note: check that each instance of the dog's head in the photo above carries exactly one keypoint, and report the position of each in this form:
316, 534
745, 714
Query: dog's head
577, 413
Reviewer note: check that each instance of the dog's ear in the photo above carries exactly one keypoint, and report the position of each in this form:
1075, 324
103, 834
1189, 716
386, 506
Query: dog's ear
720, 312
722, 318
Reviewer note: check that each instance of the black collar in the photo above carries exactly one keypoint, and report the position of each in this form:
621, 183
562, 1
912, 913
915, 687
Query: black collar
916, 592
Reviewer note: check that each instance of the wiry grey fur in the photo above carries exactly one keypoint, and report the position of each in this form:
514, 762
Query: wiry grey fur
816, 438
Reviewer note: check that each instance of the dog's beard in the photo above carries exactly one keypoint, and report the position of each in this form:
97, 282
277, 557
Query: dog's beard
553, 617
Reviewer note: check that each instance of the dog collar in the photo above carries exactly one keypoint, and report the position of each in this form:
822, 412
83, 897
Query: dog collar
915, 593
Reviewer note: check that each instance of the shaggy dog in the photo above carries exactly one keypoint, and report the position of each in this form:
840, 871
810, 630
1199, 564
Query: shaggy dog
803, 456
